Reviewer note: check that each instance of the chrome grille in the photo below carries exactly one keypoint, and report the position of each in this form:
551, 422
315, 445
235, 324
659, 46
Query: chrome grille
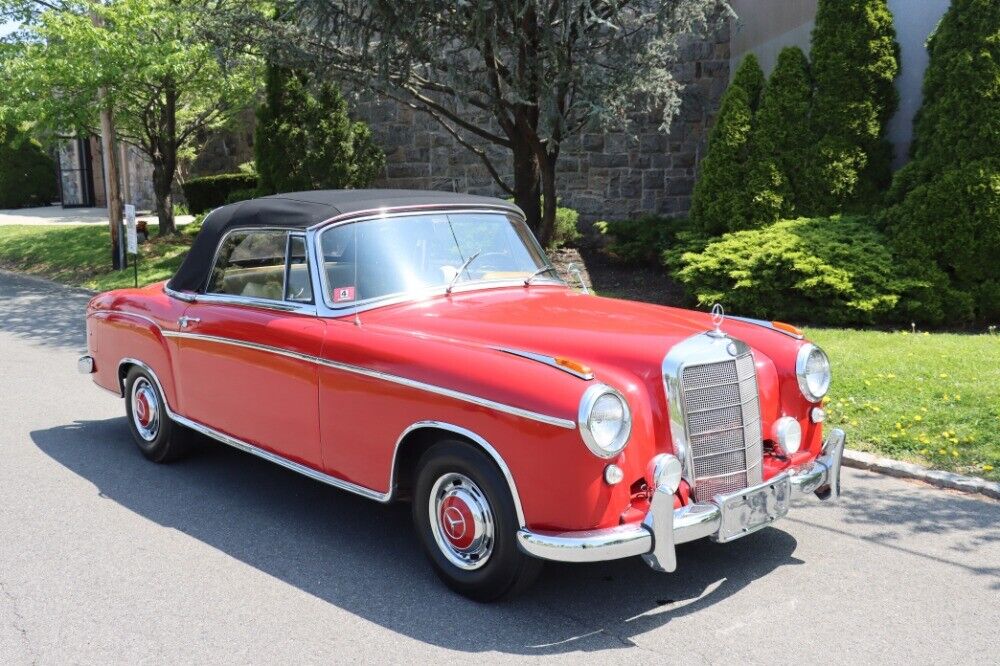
723, 425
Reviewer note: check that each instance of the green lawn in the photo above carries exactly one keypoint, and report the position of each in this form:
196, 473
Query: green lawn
932, 399
81, 255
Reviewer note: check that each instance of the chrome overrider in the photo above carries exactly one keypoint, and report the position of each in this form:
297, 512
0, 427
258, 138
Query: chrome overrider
664, 526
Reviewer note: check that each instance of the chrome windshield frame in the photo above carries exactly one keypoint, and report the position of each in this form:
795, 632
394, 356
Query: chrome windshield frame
325, 308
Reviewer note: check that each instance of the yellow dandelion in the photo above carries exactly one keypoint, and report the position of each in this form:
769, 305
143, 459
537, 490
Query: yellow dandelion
958, 397
926, 333
942, 452
854, 423
890, 376
918, 417
987, 468
899, 426
867, 383
943, 375
923, 409
894, 435
954, 453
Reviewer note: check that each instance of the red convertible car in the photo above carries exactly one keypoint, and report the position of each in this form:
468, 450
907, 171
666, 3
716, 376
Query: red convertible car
419, 346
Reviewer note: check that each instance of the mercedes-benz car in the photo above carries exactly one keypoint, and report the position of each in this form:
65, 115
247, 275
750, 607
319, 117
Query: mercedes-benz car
420, 346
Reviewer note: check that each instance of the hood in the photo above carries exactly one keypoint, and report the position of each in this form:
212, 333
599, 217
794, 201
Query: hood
553, 321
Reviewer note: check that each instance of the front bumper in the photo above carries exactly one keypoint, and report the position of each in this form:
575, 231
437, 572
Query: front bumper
664, 527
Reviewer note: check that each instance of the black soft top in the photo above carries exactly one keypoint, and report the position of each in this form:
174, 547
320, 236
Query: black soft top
301, 210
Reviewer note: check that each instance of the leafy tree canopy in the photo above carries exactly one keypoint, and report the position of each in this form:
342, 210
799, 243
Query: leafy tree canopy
165, 83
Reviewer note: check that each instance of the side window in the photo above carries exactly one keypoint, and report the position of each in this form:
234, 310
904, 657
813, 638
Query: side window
298, 283
252, 264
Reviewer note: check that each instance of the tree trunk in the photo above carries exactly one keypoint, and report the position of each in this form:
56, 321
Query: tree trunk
165, 160
547, 169
526, 191
162, 181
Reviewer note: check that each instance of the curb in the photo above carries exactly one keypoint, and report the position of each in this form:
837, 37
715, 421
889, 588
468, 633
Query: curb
935, 477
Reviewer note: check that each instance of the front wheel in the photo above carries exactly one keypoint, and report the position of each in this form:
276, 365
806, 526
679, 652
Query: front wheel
464, 514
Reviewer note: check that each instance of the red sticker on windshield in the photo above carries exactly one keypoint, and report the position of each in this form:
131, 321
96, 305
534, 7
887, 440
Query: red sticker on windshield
343, 294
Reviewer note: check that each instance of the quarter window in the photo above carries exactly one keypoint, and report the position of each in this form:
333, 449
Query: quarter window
251, 264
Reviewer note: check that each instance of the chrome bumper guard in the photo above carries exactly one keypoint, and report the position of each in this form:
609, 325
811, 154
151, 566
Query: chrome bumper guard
85, 365
664, 527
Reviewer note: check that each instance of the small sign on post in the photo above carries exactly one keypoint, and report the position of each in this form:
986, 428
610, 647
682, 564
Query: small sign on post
132, 239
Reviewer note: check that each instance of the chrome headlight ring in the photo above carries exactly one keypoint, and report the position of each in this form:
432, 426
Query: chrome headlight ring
600, 408
812, 368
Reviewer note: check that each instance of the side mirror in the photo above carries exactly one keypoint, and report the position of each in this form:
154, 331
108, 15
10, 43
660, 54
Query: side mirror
574, 270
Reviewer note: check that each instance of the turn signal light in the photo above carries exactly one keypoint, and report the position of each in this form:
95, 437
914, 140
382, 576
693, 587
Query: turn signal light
788, 328
573, 366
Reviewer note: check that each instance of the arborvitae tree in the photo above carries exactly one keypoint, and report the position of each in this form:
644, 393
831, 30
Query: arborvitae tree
721, 200
781, 143
27, 173
946, 201
855, 58
306, 140
750, 77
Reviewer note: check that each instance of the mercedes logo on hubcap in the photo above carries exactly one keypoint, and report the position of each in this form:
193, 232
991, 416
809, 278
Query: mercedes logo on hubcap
454, 523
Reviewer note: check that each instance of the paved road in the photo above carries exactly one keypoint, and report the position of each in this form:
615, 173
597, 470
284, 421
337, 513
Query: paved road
223, 558
43, 215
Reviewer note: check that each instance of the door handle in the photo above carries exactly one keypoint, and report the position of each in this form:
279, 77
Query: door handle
187, 321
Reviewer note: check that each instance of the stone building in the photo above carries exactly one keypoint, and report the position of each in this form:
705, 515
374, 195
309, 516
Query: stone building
80, 164
601, 174
608, 175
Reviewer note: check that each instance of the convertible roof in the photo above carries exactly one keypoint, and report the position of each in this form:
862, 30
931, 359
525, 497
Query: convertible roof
300, 210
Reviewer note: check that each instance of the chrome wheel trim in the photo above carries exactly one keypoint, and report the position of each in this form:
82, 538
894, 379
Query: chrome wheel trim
449, 494
145, 409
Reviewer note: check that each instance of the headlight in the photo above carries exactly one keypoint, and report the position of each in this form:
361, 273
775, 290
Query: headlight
605, 421
813, 370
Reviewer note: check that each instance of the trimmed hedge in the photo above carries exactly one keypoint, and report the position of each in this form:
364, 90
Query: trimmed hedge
27, 173
838, 271
204, 194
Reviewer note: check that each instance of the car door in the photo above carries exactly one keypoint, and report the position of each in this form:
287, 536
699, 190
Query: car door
246, 346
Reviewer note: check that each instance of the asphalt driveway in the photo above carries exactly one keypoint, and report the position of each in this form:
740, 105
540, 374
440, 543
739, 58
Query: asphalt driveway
224, 558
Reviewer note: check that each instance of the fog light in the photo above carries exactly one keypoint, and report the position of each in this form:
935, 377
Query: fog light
613, 474
787, 434
665, 471
817, 414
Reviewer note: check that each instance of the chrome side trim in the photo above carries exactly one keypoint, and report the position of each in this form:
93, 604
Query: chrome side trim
547, 360
767, 324
316, 475
479, 441
185, 296
266, 304
374, 374
126, 313
254, 450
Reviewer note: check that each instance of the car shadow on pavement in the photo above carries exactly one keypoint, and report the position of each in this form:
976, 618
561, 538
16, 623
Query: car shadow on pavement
43, 312
363, 556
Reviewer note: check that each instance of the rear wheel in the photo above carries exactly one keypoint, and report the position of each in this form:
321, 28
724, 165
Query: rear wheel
464, 514
160, 439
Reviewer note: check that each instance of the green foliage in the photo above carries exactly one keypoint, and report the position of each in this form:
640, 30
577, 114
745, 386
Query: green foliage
720, 201
750, 77
835, 270
945, 204
27, 173
566, 231
952, 222
306, 140
959, 121
855, 58
781, 143
148, 60
208, 192
235, 196
642, 239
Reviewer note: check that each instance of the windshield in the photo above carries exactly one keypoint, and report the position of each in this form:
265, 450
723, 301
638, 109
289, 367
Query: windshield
382, 257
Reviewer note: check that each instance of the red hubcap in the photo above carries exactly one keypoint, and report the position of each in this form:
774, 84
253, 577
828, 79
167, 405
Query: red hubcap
142, 410
457, 522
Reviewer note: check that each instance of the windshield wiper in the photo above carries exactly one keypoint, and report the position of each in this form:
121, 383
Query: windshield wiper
465, 265
540, 271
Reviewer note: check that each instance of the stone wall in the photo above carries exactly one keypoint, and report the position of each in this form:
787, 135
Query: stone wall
604, 175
